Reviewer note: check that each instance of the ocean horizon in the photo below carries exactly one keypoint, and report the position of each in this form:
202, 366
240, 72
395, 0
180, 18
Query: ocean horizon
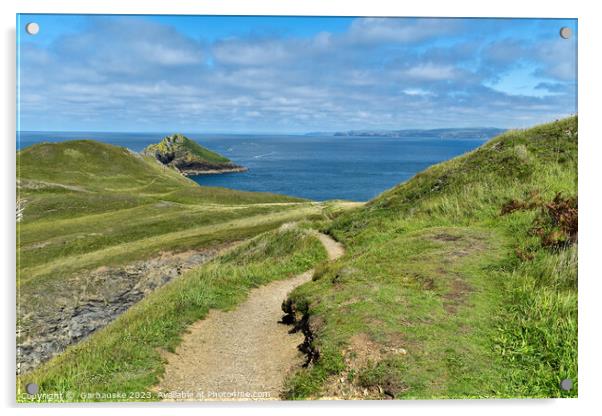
314, 167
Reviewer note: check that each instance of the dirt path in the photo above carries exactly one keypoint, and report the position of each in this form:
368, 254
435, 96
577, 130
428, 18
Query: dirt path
333, 248
242, 354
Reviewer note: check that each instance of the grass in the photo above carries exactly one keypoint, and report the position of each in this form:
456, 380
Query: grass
83, 249
443, 292
442, 296
126, 355
89, 204
83, 177
182, 146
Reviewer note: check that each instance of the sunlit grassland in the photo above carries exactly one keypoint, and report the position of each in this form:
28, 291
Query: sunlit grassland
481, 307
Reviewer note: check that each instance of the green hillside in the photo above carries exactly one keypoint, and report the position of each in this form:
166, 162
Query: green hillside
89, 208
62, 180
81, 197
461, 282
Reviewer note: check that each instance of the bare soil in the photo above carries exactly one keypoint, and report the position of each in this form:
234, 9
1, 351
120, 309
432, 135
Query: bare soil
243, 354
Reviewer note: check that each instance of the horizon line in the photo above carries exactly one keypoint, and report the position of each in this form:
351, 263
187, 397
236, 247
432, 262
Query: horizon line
264, 132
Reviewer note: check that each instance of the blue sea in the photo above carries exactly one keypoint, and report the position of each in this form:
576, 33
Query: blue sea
313, 167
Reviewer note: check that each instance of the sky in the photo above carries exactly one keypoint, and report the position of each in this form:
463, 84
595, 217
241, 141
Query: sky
229, 74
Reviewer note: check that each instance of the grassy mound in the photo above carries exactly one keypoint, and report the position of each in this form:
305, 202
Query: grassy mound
80, 177
461, 282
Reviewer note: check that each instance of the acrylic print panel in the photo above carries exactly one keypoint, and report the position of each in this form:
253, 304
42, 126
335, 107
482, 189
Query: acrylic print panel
277, 208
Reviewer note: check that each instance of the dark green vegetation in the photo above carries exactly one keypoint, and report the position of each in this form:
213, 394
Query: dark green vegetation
461, 282
126, 356
188, 157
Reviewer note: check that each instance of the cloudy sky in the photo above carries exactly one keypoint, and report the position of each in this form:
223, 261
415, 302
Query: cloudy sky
291, 74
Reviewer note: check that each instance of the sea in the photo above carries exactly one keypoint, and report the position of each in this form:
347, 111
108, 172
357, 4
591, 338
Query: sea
314, 167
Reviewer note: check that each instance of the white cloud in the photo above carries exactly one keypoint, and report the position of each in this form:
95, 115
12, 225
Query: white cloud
244, 52
385, 29
417, 92
431, 72
380, 73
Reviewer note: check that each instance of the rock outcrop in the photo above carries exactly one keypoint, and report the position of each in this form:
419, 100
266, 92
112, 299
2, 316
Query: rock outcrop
110, 292
189, 158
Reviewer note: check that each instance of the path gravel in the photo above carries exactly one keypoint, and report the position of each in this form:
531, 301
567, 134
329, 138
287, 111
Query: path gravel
243, 354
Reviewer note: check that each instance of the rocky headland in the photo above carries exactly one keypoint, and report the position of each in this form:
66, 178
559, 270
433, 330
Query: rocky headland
190, 158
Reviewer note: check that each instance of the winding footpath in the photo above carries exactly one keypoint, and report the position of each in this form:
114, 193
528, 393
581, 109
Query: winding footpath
243, 354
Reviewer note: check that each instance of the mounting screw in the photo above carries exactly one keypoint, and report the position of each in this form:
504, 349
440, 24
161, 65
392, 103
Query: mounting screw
31, 388
565, 32
32, 28
566, 384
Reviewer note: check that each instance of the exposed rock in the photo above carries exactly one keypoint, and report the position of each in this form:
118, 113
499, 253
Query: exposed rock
189, 158
109, 292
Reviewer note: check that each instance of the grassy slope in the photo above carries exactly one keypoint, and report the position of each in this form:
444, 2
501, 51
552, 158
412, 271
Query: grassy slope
89, 204
84, 196
126, 355
439, 295
62, 180
185, 147
203, 153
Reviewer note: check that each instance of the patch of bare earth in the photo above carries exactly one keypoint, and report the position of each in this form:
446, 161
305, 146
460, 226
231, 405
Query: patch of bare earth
243, 354
457, 295
360, 354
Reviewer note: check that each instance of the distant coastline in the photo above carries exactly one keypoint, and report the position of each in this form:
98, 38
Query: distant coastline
443, 133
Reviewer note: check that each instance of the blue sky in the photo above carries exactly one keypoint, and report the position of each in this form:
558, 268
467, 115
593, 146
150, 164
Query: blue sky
291, 74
